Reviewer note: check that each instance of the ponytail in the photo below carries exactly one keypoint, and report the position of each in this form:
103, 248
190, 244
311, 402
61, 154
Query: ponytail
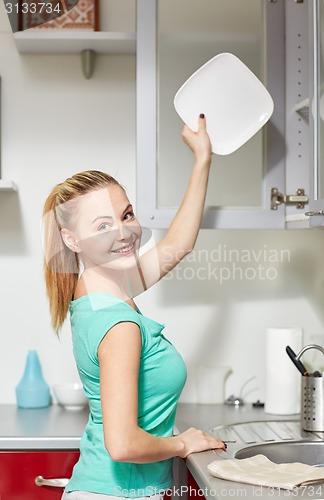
61, 265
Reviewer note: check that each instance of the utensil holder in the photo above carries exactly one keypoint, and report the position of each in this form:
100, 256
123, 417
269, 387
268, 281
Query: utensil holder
312, 397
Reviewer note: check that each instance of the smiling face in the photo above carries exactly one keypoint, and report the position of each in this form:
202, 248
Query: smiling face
105, 230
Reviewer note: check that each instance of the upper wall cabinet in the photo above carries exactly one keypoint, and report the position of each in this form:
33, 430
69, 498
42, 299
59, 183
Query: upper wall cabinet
316, 15
247, 189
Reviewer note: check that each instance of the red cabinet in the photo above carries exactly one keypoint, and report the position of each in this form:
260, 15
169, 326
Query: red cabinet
18, 470
194, 491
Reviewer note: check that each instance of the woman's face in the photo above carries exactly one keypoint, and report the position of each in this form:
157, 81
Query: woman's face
106, 230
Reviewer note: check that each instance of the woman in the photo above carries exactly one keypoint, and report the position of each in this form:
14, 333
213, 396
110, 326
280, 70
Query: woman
132, 375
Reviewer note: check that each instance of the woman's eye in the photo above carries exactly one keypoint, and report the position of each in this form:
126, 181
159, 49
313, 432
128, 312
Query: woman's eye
129, 216
104, 227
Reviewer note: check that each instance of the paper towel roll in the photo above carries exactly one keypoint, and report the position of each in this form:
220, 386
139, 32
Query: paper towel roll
283, 380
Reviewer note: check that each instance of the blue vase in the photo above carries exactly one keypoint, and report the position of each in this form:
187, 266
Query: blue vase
32, 391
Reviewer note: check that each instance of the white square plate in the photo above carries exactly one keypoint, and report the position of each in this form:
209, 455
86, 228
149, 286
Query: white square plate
236, 104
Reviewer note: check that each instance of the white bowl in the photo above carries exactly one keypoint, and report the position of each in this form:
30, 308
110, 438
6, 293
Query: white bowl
70, 395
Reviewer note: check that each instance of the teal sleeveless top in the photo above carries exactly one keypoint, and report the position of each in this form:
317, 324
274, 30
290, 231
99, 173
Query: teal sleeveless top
162, 375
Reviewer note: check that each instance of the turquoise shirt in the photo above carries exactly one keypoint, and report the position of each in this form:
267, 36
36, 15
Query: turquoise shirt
162, 375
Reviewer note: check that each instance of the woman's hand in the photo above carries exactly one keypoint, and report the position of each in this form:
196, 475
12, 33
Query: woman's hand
195, 440
198, 142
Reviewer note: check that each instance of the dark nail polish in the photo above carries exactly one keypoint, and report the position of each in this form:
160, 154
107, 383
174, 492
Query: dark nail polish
202, 115
225, 444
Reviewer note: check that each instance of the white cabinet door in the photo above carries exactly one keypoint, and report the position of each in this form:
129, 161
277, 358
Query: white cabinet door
171, 44
316, 113
297, 137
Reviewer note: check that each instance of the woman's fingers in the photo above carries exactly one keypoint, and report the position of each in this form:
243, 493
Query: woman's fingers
202, 122
221, 445
188, 132
199, 141
196, 440
216, 443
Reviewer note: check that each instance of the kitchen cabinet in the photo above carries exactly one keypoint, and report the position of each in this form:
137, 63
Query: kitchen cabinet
193, 489
316, 113
247, 188
44, 442
37, 442
19, 469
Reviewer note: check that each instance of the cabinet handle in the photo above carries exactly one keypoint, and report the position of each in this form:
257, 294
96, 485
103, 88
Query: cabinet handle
56, 483
311, 214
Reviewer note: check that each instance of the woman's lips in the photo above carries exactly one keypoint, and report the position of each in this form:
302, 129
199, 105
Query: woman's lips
125, 250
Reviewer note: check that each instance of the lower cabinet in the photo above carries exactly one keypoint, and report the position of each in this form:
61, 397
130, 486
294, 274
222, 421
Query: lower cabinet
194, 491
40, 475
19, 470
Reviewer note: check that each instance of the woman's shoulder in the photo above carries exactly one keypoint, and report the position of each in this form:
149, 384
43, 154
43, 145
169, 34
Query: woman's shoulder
100, 306
94, 314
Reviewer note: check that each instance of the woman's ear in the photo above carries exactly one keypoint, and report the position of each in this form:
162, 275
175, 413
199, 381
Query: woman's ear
70, 240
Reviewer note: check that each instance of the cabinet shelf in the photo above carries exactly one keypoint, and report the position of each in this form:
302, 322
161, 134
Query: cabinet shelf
6, 185
74, 42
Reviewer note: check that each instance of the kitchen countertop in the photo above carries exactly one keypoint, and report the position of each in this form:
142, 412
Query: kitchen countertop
209, 416
42, 428
54, 428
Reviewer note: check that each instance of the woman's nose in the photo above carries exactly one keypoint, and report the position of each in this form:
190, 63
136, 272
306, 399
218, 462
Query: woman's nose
123, 232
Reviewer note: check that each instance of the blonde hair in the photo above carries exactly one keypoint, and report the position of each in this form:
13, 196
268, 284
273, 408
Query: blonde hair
61, 265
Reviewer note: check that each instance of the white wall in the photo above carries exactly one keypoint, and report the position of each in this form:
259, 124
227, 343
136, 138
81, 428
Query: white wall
54, 123
223, 321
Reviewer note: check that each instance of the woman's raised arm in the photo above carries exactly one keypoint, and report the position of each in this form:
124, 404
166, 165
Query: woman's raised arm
182, 233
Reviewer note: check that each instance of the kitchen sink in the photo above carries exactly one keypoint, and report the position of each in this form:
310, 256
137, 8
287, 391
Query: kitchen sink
307, 452
281, 441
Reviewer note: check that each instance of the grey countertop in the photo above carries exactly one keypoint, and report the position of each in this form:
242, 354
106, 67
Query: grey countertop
56, 428
42, 428
207, 417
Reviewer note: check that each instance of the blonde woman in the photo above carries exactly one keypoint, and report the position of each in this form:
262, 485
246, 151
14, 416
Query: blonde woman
132, 375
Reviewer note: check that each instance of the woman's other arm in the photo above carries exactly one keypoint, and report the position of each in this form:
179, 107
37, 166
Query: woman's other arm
119, 355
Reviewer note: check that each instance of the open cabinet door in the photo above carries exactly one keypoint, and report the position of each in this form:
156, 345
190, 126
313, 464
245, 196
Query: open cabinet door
316, 114
239, 192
